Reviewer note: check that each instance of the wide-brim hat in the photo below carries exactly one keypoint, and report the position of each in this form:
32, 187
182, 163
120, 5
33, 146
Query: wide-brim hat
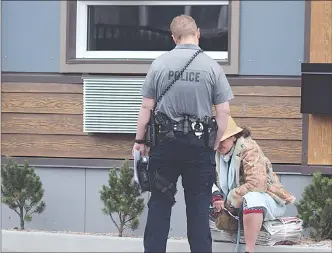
231, 129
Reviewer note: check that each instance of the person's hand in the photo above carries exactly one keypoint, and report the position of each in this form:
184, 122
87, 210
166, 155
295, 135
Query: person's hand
140, 147
229, 206
218, 205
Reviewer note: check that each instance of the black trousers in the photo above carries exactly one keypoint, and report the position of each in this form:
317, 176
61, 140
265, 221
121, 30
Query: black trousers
186, 156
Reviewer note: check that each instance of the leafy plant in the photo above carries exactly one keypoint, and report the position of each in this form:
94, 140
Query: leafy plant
315, 207
22, 190
121, 197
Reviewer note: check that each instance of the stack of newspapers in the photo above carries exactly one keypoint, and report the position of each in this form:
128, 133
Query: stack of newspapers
285, 230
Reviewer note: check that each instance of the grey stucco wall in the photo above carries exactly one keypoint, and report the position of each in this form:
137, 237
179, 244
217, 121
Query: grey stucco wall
73, 203
271, 37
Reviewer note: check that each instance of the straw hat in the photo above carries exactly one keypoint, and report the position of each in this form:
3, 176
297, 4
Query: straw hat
231, 129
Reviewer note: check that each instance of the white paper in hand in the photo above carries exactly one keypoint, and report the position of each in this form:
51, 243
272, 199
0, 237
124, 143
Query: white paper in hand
137, 156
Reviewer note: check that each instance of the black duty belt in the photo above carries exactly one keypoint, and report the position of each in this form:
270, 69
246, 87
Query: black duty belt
176, 127
180, 127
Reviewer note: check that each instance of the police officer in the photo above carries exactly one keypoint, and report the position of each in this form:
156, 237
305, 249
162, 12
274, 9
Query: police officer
183, 153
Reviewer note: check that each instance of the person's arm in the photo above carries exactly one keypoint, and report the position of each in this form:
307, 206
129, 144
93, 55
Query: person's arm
222, 94
255, 171
148, 91
144, 117
222, 113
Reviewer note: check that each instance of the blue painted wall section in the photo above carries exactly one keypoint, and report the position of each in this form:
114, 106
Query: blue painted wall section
272, 37
30, 36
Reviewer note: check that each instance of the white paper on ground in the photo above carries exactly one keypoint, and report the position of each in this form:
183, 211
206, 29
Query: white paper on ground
137, 156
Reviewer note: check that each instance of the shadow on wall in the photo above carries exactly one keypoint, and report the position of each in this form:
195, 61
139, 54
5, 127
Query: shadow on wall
73, 203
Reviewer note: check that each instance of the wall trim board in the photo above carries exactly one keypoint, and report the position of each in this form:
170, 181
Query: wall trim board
305, 117
284, 81
322, 68
40, 77
305, 138
319, 130
106, 164
280, 81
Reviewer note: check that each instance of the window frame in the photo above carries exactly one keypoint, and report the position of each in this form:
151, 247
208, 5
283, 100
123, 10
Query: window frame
82, 32
69, 63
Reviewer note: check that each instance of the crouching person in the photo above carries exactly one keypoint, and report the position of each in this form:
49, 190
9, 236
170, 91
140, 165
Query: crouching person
246, 183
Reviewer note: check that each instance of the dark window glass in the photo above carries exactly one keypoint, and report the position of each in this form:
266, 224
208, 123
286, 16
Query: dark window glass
146, 28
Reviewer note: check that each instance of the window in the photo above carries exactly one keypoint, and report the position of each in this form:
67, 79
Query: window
140, 30
124, 37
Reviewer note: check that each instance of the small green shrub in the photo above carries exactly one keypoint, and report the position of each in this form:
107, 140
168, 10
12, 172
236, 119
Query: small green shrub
121, 196
21, 190
315, 207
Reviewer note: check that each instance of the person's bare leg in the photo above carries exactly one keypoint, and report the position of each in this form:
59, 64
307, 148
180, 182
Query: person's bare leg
252, 223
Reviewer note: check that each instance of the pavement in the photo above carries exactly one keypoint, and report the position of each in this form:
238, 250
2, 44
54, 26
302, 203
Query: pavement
23, 241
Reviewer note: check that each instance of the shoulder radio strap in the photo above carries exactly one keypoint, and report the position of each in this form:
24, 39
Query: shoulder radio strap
177, 77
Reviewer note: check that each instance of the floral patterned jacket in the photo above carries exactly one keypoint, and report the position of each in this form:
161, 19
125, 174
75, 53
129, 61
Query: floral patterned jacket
253, 174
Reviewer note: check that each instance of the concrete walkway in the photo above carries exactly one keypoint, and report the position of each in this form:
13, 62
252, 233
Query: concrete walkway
18, 241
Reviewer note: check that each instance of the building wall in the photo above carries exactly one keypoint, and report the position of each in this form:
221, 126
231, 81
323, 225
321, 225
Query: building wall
73, 202
42, 115
271, 37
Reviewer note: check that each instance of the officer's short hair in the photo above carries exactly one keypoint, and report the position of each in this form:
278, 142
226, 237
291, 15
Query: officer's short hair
183, 26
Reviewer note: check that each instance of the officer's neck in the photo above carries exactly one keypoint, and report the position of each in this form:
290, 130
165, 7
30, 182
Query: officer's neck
188, 40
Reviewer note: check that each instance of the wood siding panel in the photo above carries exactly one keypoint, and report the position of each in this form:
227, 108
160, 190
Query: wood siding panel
272, 129
19, 123
96, 146
42, 88
115, 146
42, 103
266, 107
320, 140
282, 151
267, 91
45, 120
320, 127
321, 32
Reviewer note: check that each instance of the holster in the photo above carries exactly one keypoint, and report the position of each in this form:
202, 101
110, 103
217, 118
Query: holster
151, 131
210, 132
148, 179
165, 186
159, 128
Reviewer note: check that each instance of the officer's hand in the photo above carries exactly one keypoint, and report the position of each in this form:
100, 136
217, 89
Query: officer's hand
140, 147
218, 205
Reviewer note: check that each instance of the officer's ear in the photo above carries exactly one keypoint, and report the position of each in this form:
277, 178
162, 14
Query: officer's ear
198, 33
175, 39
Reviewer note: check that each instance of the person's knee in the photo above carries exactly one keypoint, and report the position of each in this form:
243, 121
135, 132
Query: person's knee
197, 202
252, 209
